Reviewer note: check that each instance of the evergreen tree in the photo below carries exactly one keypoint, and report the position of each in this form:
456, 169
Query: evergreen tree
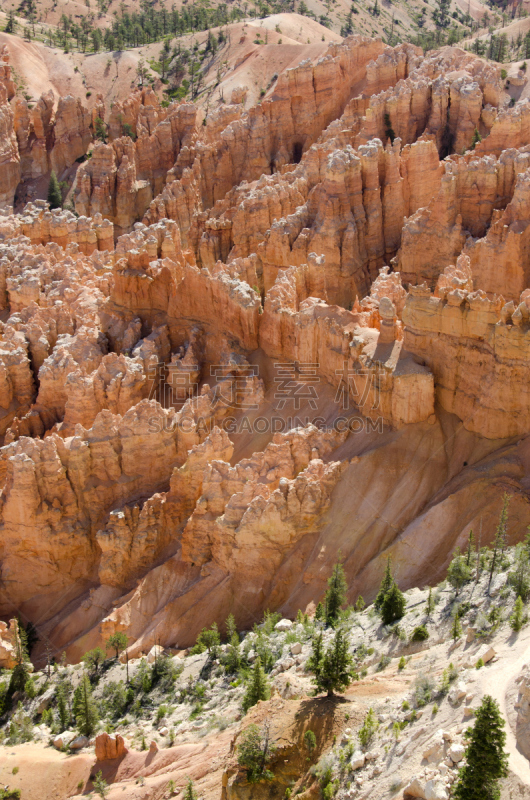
94, 658
118, 642
486, 761
189, 791
62, 706
430, 603
101, 130
86, 712
20, 674
320, 612
208, 639
331, 669
456, 629
359, 603
385, 586
232, 660
230, 626
519, 578
458, 573
517, 619
471, 538
258, 688
500, 541
100, 785
393, 607
55, 198
254, 753
11, 23
335, 595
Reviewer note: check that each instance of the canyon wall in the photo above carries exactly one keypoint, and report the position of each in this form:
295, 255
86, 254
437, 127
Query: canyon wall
290, 332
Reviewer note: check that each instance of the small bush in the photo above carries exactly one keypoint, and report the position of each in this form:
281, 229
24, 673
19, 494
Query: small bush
504, 74
479, 664
419, 634
369, 728
423, 690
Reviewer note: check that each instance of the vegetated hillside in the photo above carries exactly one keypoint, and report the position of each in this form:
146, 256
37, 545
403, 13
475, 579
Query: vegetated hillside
244, 54
397, 728
115, 25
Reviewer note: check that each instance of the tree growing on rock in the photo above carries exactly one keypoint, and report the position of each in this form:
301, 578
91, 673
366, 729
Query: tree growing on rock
189, 791
94, 658
486, 761
458, 572
117, 642
500, 541
258, 688
20, 674
393, 607
335, 595
332, 668
208, 639
55, 197
518, 618
385, 586
85, 710
254, 752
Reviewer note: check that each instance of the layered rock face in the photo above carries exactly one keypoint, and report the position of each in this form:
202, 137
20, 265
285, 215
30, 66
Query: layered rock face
282, 334
9, 155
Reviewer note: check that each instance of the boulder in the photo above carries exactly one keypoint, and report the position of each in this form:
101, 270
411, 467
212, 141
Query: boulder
456, 753
153, 747
435, 790
457, 692
485, 653
357, 760
155, 652
283, 625
414, 789
109, 746
296, 648
62, 739
78, 743
434, 751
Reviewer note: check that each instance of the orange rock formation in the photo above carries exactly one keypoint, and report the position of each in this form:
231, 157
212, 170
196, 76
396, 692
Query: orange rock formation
290, 331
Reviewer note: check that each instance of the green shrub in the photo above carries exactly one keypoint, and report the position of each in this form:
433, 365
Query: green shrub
419, 634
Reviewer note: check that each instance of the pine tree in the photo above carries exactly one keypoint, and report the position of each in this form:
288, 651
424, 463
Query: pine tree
232, 659
456, 629
320, 612
20, 673
385, 586
458, 573
117, 642
500, 541
430, 603
100, 785
230, 626
55, 198
189, 791
62, 706
254, 752
393, 607
332, 669
471, 538
86, 712
486, 761
258, 688
93, 658
335, 595
208, 639
517, 619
